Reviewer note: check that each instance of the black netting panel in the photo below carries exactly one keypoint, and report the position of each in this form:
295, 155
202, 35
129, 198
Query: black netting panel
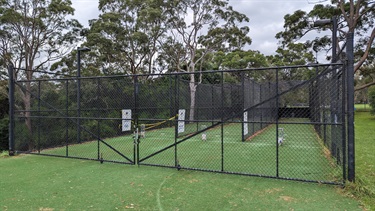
277, 122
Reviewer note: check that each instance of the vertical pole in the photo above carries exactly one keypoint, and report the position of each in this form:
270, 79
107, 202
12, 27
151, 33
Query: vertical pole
171, 109
261, 106
98, 116
277, 122
253, 109
11, 110
212, 104
334, 93
67, 119
243, 104
176, 105
39, 84
78, 96
350, 104
136, 105
343, 122
222, 123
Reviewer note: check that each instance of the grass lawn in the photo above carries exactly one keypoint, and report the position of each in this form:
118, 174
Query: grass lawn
365, 159
362, 107
30, 182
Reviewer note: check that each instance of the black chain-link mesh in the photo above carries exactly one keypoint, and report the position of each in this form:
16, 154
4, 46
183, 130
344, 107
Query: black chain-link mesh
277, 122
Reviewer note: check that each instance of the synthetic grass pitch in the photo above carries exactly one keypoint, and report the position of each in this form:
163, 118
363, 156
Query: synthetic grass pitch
301, 156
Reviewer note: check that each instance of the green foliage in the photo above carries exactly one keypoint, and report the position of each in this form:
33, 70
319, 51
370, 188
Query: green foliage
32, 34
4, 141
371, 96
352, 16
4, 122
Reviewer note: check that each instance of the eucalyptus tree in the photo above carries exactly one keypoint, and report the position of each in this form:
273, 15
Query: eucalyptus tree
204, 26
125, 37
34, 33
356, 16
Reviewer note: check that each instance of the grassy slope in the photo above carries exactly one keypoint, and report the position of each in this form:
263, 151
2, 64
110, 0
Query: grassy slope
46, 183
365, 159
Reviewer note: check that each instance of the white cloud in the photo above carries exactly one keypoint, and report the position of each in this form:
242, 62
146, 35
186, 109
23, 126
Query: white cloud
267, 19
85, 10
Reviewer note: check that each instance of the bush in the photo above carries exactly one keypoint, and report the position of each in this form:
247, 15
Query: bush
4, 141
371, 96
4, 107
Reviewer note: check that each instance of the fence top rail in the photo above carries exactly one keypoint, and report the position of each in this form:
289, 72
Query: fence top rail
188, 73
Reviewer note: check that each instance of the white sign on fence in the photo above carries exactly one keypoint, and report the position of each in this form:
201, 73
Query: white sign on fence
181, 121
245, 125
126, 119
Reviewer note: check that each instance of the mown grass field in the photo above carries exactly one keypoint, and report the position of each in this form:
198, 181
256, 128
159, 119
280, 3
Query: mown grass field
30, 182
364, 188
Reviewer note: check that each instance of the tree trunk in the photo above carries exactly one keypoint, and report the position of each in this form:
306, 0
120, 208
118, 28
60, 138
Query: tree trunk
193, 89
27, 104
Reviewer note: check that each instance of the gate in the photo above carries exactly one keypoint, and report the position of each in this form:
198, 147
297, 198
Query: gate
281, 122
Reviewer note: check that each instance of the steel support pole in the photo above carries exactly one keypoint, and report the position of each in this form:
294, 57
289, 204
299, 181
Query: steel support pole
243, 105
277, 122
222, 121
78, 96
350, 105
11, 110
136, 106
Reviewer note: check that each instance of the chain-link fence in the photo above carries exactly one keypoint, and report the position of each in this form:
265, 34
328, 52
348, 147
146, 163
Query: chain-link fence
284, 122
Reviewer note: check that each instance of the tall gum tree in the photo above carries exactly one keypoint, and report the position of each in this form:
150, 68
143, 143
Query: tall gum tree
205, 26
125, 37
356, 16
34, 33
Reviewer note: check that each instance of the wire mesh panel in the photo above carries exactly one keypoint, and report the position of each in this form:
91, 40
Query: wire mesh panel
284, 122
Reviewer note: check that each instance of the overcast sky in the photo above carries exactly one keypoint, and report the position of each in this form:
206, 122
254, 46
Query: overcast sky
266, 17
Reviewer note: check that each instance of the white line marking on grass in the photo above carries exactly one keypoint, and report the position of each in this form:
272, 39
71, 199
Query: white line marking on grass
158, 191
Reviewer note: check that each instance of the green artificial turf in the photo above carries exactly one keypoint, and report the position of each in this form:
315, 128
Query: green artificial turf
32, 182
301, 156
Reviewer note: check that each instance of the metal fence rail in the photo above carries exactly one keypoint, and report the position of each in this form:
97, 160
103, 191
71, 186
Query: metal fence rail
282, 122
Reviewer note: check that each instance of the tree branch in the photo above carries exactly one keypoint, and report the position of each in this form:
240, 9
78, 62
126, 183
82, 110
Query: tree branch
364, 86
367, 51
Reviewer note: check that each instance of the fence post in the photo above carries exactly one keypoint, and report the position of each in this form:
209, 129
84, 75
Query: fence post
350, 104
222, 121
243, 105
11, 110
135, 117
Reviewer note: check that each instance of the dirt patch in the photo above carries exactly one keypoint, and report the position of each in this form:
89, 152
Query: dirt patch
273, 190
193, 181
287, 198
46, 209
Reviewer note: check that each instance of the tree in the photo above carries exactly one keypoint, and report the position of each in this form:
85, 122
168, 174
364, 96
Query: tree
125, 38
34, 33
204, 26
4, 123
353, 16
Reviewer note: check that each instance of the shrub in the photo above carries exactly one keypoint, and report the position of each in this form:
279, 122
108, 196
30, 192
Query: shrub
4, 142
